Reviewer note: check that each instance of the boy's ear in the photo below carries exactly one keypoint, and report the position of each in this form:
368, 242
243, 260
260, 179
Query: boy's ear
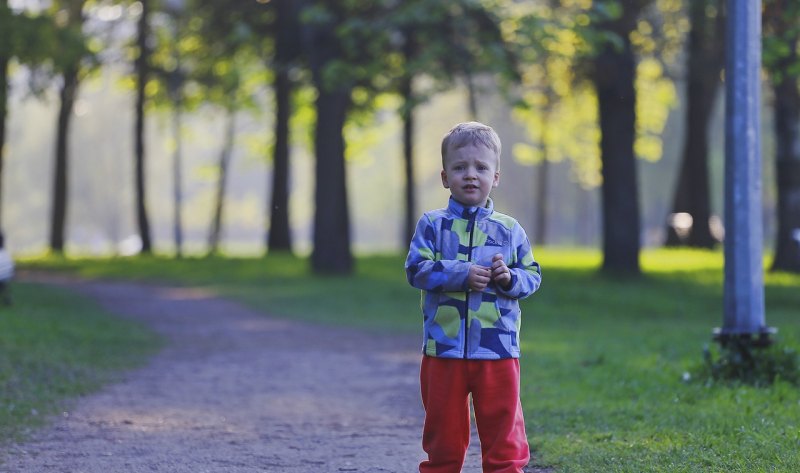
444, 179
496, 181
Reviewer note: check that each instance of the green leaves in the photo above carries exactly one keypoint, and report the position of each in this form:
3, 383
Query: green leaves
780, 41
50, 42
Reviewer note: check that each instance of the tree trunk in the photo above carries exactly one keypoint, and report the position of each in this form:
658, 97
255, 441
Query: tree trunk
331, 252
692, 194
410, 221
472, 96
279, 235
59, 209
224, 159
3, 114
542, 178
614, 77
543, 175
5, 57
280, 238
787, 138
142, 70
177, 179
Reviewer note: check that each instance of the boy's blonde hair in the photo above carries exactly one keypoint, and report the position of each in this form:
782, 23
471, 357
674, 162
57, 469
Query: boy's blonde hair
471, 133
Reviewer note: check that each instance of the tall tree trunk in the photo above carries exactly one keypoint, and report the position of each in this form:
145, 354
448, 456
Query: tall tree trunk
407, 113
584, 223
280, 238
5, 57
410, 50
543, 174
279, 234
614, 77
69, 90
472, 96
331, 252
142, 72
692, 194
224, 159
59, 208
3, 115
787, 138
542, 178
177, 178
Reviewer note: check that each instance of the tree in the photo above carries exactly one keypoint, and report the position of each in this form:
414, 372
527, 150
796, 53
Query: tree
613, 74
553, 108
229, 73
31, 40
171, 71
55, 39
142, 74
705, 54
441, 41
6, 20
326, 57
350, 47
782, 60
285, 56
68, 54
343, 56
563, 46
232, 33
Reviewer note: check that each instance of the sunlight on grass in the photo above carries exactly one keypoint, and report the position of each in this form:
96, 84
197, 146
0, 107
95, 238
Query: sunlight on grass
681, 260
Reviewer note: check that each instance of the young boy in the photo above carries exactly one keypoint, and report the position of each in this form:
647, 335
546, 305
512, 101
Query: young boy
473, 265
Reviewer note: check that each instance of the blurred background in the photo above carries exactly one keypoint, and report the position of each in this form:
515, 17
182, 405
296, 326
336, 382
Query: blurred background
292, 125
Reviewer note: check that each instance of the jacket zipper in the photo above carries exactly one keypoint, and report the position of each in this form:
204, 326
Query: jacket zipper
466, 299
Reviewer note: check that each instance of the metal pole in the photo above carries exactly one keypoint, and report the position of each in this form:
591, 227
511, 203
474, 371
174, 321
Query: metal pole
744, 270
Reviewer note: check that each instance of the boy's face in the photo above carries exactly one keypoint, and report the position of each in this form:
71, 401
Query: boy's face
471, 173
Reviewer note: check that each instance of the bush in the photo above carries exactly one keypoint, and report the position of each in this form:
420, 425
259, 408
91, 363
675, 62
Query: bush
741, 362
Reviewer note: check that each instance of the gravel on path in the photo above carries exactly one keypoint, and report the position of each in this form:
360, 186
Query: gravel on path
236, 391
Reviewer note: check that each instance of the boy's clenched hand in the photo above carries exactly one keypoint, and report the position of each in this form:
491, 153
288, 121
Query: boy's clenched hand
501, 275
478, 278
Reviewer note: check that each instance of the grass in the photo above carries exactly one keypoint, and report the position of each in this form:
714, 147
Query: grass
603, 358
55, 346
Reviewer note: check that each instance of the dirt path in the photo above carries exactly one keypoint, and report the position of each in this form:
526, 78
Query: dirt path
235, 391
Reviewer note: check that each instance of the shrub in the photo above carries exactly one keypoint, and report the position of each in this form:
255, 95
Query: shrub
740, 361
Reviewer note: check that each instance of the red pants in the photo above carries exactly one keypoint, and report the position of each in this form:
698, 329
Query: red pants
446, 385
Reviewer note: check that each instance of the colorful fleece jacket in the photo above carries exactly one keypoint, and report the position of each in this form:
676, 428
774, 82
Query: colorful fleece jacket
457, 322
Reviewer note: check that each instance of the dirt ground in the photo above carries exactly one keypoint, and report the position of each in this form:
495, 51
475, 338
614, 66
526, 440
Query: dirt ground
236, 391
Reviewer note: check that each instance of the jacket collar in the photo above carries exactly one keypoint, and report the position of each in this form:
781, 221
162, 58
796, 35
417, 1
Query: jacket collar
462, 211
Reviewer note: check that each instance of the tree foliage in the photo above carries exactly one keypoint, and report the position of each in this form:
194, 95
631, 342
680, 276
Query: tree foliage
428, 46
597, 94
559, 108
572, 62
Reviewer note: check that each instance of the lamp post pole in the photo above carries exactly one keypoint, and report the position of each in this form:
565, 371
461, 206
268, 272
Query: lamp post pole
744, 318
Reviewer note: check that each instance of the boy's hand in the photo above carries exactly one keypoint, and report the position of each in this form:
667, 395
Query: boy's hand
501, 275
478, 278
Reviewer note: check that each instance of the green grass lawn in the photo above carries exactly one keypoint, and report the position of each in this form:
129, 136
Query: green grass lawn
603, 358
54, 346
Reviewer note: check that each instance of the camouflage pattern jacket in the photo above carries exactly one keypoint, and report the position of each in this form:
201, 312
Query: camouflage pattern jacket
457, 322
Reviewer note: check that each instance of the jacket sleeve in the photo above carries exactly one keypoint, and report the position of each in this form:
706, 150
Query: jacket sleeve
526, 275
424, 271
